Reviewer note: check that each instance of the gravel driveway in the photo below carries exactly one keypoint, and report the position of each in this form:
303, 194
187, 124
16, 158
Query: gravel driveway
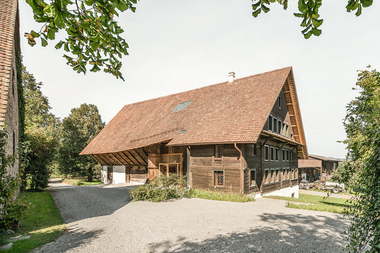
102, 219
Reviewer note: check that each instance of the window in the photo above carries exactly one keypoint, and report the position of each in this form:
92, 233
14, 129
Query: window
181, 106
279, 102
254, 150
275, 125
283, 154
279, 126
277, 175
218, 151
218, 178
287, 155
266, 176
270, 123
276, 154
271, 153
266, 153
286, 130
252, 178
272, 175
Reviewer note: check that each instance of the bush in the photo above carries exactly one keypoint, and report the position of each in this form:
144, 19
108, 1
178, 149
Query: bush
162, 188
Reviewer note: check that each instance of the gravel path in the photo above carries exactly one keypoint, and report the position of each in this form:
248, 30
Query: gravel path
101, 219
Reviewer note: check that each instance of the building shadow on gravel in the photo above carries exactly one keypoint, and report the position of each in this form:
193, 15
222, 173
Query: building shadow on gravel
289, 234
82, 202
69, 241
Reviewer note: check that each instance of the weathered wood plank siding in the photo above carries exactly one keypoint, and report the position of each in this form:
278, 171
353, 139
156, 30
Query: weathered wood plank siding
203, 164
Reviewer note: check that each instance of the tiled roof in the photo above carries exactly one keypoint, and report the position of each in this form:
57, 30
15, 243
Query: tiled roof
319, 157
8, 28
222, 113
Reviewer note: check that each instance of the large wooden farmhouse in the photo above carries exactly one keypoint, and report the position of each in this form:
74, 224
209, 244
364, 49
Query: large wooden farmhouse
9, 50
244, 135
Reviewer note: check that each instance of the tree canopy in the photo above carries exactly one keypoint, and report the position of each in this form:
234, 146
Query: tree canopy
78, 129
362, 126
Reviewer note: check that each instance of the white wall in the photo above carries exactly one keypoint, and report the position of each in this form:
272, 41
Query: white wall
104, 174
118, 174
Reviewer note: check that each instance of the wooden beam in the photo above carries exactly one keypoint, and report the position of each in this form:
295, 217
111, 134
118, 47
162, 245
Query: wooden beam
143, 156
114, 159
106, 159
120, 158
132, 158
125, 157
99, 160
137, 157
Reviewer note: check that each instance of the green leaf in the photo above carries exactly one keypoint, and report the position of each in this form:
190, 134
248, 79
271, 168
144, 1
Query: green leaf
302, 6
256, 13
307, 35
366, 3
256, 5
59, 45
43, 42
265, 8
34, 34
317, 22
299, 15
316, 31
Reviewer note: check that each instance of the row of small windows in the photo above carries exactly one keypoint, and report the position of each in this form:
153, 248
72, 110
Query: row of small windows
273, 153
271, 176
277, 126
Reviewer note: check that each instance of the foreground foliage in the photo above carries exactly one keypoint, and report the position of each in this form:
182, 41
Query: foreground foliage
43, 222
362, 125
92, 33
162, 188
174, 187
309, 12
10, 211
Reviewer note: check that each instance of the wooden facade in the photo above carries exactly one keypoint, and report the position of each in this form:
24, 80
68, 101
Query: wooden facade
240, 136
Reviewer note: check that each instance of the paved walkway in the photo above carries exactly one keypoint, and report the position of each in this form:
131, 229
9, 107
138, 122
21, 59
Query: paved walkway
102, 219
324, 194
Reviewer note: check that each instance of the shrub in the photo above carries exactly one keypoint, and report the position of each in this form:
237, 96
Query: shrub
162, 188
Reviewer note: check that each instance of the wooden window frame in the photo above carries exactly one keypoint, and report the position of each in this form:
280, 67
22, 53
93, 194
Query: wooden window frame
254, 149
214, 172
287, 155
267, 178
279, 125
283, 154
276, 154
216, 154
271, 153
270, 123
278, 175
274, 125
272, 176
266, 153
250, 178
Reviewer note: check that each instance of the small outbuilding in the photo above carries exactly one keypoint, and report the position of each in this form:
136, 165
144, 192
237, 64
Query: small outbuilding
244, 135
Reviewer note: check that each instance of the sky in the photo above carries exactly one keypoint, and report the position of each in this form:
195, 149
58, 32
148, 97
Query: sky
176, 46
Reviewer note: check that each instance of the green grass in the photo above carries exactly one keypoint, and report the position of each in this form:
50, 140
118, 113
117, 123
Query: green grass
213, 195
80, 182
316, 203
43, 222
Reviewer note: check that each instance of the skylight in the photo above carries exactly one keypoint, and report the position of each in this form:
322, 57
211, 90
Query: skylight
181, 106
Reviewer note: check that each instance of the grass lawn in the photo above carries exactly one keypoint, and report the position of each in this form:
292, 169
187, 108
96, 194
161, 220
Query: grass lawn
316, 203
228, 196
80, 182
43, 222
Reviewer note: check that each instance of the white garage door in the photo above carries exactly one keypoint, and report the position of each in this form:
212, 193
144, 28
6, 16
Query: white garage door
118, 174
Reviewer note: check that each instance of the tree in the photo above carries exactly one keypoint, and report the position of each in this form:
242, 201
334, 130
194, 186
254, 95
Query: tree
41, 135
78, 129
362, 125
92, 34
309, 12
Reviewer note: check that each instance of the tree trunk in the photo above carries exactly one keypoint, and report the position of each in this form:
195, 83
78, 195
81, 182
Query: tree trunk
89, 174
